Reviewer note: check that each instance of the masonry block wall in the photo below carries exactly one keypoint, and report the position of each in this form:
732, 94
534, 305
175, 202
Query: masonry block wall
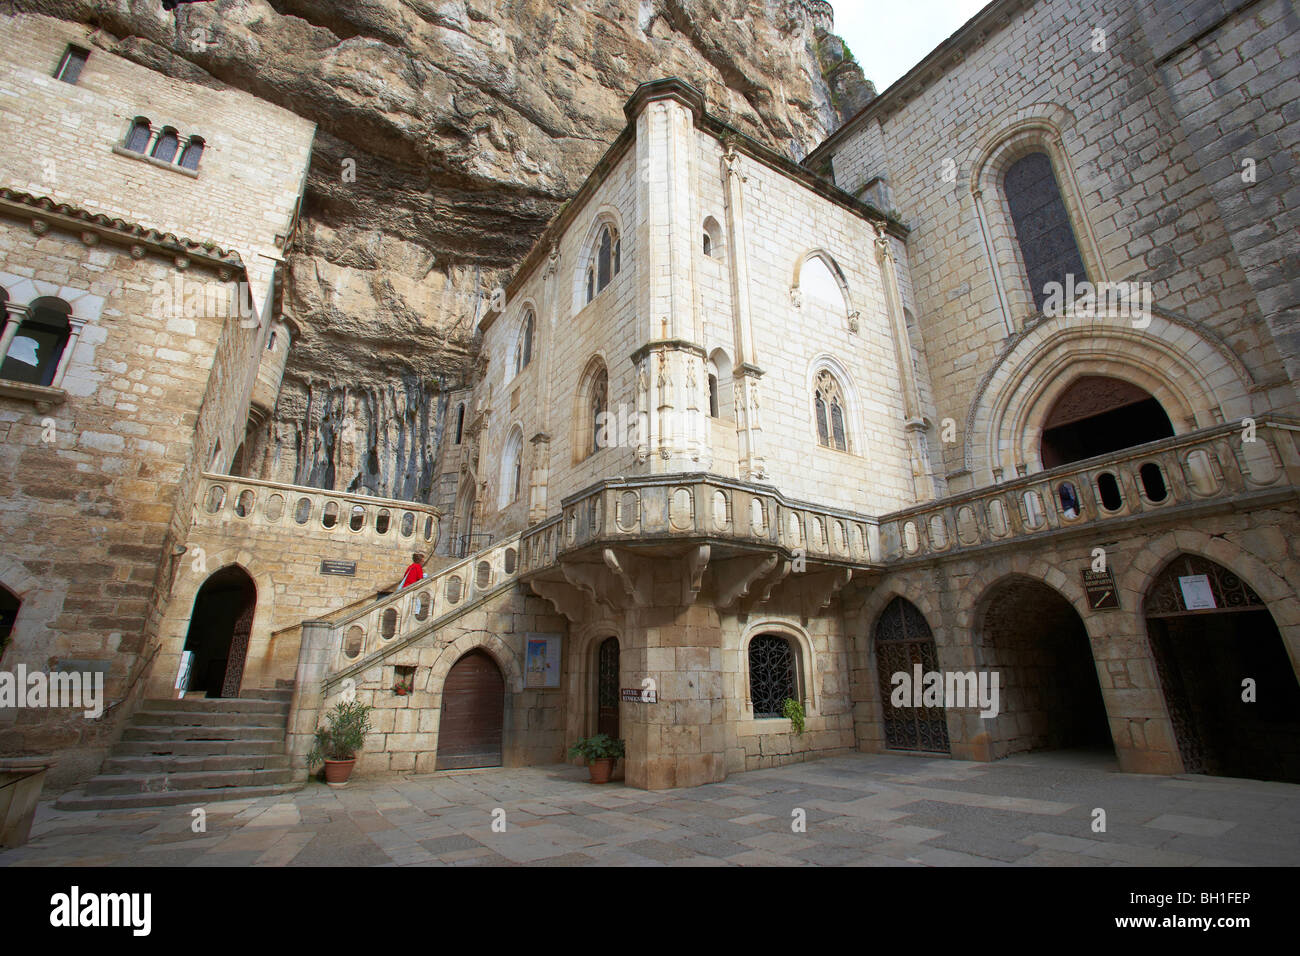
1145, 204
94, 481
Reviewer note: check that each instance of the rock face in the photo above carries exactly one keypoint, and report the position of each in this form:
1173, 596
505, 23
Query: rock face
449, 132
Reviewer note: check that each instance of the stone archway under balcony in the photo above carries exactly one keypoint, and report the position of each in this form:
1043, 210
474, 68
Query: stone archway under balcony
1195, 377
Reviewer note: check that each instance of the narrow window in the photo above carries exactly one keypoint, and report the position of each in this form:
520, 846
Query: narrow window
598, 405
138, 139
713, 395
708, 245
828, 410
192, 154
460, 422
591, 283
74, 58
165, 149
524, 350
605, 261
518, 482
1043, 231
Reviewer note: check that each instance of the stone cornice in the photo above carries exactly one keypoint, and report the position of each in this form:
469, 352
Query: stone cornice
42, 209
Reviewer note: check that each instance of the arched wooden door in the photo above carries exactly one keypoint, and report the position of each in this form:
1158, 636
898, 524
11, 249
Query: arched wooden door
607, 688
473, 714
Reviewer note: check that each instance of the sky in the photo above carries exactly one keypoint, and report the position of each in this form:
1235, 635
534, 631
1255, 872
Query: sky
889, 37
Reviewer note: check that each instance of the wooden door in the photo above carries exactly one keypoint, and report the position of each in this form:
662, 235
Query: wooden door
607, 688
234, 675
473, 714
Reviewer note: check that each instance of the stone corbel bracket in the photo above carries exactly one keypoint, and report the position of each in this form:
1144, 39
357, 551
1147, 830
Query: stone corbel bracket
632, 572
735, 578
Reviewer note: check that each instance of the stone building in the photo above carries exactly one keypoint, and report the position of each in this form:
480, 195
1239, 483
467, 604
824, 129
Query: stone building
995, 385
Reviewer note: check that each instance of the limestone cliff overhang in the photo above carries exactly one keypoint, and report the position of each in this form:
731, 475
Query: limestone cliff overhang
674, 88
44, 213
932, 68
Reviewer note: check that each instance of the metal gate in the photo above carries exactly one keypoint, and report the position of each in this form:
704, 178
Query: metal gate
903, 640
607, 688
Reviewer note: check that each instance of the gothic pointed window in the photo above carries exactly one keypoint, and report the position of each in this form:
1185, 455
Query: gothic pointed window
828, 412
512, 468
137, 140
1042, 224
591, 283
605, 261
599, 405
524, 348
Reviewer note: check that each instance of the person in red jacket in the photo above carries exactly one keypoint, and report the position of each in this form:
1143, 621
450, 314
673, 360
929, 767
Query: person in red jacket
415, 571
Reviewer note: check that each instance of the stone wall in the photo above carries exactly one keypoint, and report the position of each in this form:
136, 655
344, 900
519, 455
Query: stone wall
1139, 200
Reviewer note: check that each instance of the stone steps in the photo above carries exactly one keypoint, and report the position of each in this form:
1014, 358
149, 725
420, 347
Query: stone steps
195, 751
179, 763
171, 798
159, 782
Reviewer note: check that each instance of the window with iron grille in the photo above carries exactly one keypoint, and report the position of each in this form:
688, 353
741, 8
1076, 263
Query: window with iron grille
771, 675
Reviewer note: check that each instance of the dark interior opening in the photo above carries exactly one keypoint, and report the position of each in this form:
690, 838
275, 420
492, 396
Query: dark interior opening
223, 612
1097, 416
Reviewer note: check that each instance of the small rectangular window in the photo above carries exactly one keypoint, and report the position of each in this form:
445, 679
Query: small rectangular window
74, 58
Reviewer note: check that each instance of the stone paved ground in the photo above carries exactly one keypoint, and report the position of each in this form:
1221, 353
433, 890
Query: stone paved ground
874, 810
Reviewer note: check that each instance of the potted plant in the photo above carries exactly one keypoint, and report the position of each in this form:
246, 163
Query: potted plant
599, 752
337, 743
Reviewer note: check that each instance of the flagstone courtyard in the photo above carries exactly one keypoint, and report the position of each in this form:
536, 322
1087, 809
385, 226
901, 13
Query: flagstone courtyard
856, 810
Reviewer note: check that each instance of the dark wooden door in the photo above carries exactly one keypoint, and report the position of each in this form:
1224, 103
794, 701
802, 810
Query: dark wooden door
607, 689
234, 675
473, 714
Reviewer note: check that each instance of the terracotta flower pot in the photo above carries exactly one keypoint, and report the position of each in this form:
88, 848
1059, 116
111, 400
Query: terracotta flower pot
600, 769
337, 772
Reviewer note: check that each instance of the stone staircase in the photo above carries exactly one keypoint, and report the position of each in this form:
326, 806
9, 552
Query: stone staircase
194, 751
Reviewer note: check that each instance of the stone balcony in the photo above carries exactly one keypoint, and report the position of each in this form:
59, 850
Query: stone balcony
1205, 470
752, 536
249, 505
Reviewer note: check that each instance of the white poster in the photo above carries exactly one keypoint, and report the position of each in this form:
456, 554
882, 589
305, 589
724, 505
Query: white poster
183, 678
1197, 595
542, 660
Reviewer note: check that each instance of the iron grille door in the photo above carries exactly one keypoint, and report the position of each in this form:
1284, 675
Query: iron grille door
903, 640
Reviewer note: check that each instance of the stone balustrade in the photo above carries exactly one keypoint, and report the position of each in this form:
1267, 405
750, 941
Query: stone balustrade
705, 507
1202, 468
382, 626
1182, 472
224, 501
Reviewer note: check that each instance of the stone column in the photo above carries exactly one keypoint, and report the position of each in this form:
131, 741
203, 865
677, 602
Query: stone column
913, 421
314, 655
65, 359
746, 371
15, 315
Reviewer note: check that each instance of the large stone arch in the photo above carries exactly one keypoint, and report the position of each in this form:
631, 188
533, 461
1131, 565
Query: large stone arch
1194, 375
180, 607
1257, 571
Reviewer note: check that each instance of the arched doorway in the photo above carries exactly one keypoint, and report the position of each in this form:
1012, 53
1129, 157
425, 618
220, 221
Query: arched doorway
1050, 696
471, 728
607, 687
1210, 632
1097, 415
904, 641
219, 629
9, 605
